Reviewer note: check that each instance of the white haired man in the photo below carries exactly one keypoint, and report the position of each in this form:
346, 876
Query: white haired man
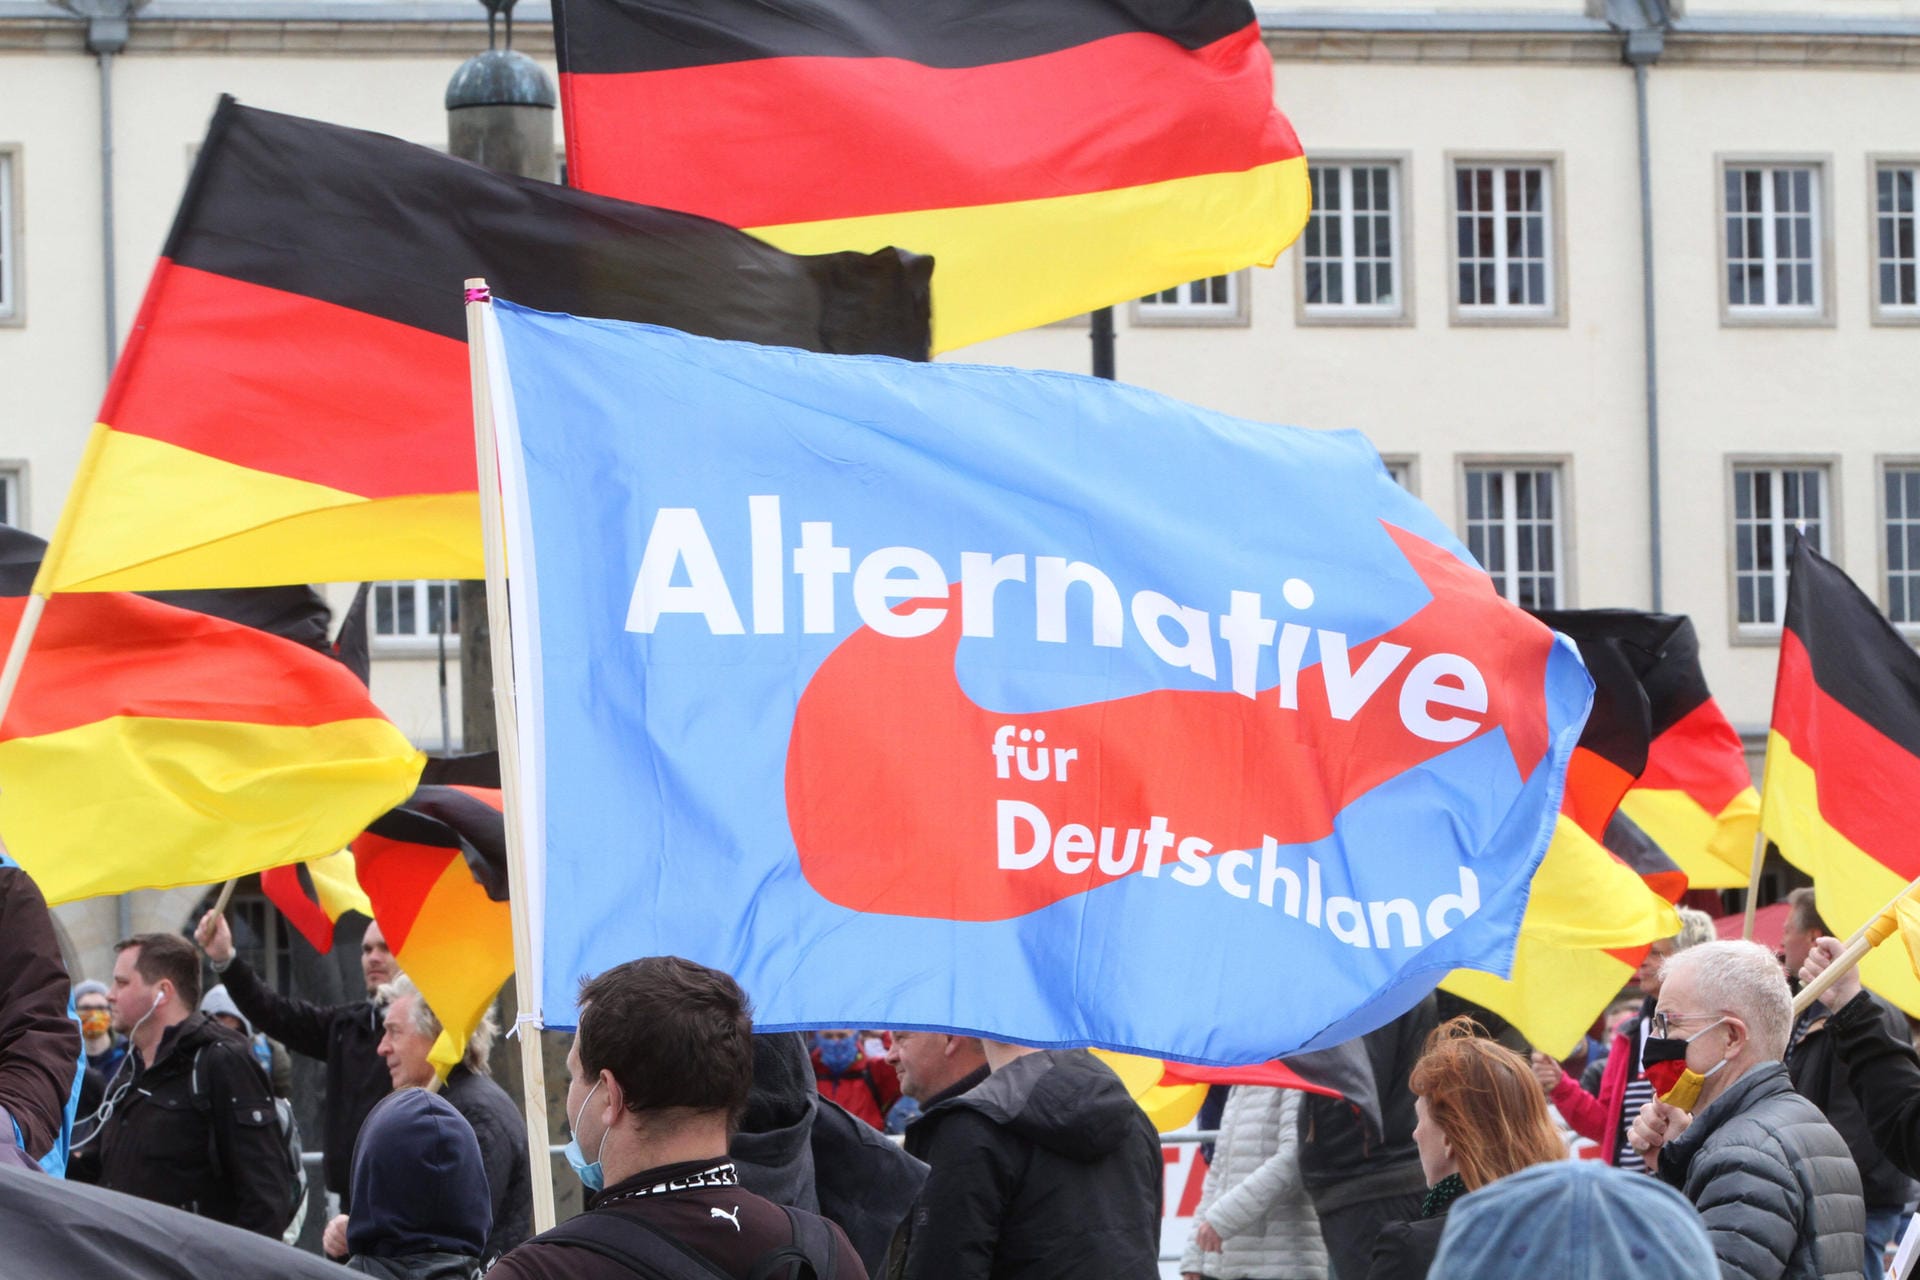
1774, 1183
411, 1029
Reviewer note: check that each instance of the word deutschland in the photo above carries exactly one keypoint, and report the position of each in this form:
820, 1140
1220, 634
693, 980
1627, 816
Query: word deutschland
1179, 635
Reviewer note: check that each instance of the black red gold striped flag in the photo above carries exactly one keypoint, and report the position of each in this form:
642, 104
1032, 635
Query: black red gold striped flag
1695, 798
1843, 757
435, 870
183, 739
314, 895
293, 403
1053, 156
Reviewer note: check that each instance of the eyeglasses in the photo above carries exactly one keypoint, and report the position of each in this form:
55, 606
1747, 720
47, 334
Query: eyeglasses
1662, 1023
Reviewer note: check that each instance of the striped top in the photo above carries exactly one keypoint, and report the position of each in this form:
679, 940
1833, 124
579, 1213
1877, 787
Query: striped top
1639, 1093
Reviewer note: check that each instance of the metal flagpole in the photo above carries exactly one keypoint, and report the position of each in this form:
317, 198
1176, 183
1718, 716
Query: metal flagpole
533, 1071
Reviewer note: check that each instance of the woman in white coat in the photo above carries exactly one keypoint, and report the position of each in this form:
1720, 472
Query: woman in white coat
1255, 1221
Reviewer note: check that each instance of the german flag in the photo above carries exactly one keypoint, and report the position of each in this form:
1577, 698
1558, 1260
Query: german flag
293, 402
1053, 156
1621, 648
184, 739
314, 895
1588, 911
1843, 757
435, 870
1695, 798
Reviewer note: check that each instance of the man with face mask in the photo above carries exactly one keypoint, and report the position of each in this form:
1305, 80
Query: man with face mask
1773, 1181
659, 1075
104, 1048
842, 1071
188, 1119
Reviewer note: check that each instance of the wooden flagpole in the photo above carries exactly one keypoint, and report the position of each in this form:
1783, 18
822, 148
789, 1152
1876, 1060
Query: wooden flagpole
533, 1071
1870, 935
1753, 881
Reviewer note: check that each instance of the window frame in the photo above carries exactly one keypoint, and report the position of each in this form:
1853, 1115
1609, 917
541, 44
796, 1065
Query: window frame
1878, 312
13, 295
13, 490
1561, 464
1411, 461
1555, 314
1307, 314
1882, 464
1746, 316
417, 641
1828, 464
1237, 313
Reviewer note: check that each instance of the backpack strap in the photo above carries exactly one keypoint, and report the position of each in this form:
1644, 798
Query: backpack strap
809, 1257
634, 1244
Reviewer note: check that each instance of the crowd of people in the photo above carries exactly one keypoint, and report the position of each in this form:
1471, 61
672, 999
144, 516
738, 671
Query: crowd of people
1715, 1132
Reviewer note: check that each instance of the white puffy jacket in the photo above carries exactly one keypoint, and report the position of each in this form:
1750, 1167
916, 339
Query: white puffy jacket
1253, 1196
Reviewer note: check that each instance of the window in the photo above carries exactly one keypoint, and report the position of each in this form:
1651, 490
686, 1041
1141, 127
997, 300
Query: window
9, 238
1401, 469
1900, 490
11, 496
1896, 257
261, 936
1772, 241
1772, 505
1216, 300
1350, 251
1514, 516
416, 610
1504, 240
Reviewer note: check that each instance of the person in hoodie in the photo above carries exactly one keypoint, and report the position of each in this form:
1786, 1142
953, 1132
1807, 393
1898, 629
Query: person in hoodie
272, 1057
420, 1205
799, 1148
1045, 1170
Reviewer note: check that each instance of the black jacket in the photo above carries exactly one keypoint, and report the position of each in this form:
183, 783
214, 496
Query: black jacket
1820, 1074
344, 1036
1046, 1169
1774, 1183
219, 1154
1884, 1074
1341, 1161
1405, 1250
502, 1134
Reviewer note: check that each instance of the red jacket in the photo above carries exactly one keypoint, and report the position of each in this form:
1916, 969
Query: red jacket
868, 1089
1598, 1119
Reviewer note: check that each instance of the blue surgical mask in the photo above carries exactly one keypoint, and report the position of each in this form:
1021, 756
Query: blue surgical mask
592, 1177
838, 1055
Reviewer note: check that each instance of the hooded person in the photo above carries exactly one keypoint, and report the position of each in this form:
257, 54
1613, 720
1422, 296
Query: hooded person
798, 1148
421, 1210
1046, 1169
1574, 1220
272, 1058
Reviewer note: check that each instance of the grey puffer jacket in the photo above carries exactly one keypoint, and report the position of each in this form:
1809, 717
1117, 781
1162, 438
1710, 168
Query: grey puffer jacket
1253, 1196
1774, 1183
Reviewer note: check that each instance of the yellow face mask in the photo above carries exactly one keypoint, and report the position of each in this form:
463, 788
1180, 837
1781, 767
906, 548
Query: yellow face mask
1686, 1090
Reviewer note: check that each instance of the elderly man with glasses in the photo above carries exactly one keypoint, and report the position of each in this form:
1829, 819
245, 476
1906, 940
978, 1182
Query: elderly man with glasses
1773, 1181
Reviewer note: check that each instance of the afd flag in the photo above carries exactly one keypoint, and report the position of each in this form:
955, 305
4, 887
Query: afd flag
1024, 704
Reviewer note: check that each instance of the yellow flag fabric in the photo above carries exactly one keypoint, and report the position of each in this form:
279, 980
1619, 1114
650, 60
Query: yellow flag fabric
1169, 1106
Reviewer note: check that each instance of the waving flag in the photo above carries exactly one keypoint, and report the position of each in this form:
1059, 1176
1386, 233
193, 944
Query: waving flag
1695, 798
185, 739
1063, 696
292, 403
435, 869
1843, 754
314, 895
1053, 156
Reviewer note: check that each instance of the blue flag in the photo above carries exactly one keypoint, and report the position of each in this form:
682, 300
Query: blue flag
1024, 704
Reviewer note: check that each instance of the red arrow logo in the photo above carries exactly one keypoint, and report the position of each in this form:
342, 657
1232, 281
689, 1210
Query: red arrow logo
899, 802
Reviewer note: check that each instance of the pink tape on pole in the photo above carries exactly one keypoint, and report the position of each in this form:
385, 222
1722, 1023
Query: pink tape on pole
482, 294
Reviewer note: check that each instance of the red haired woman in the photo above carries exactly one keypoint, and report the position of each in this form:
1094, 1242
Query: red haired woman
1481, 1117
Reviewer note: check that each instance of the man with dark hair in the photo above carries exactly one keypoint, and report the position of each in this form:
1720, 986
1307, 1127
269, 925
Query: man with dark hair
344, 1036
660, 1070
188, 1118
1820, 1074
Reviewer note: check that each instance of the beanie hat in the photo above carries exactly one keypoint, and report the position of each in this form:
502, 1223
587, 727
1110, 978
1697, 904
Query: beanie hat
88, 988
1574, 1220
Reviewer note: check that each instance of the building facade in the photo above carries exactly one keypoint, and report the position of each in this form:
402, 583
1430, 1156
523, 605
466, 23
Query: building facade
1604, 426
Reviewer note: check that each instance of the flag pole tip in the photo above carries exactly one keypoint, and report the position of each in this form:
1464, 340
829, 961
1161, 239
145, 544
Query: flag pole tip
477, 290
